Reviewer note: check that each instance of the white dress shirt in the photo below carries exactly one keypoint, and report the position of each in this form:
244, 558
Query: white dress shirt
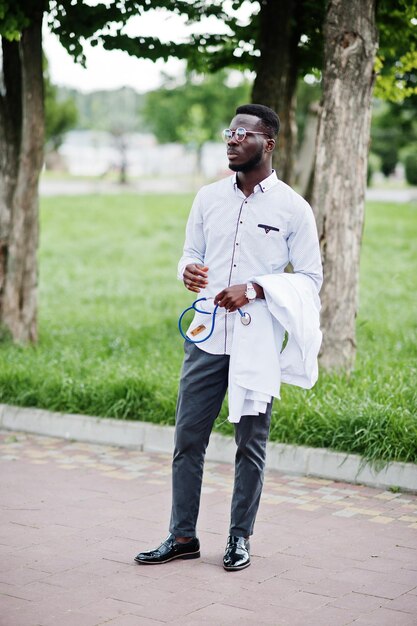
239, 238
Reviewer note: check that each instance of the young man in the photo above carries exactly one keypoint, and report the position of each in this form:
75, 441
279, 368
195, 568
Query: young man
241, 230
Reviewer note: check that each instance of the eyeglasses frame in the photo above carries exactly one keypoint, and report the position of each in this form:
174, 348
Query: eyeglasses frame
247, 132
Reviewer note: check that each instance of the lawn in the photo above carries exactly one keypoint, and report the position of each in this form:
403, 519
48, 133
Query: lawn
109, 345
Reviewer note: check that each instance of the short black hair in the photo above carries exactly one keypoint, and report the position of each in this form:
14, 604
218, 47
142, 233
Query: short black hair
270, 120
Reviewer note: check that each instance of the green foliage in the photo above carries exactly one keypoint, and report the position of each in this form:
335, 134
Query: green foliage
109, 344
118, 110
76, 22
410, 164
398, 81
60, 117
369, 173
60, 113
104, 23
13, 18
235, 44
396, 64
389, 160
394, 126
395, 489
194, 112
238, 44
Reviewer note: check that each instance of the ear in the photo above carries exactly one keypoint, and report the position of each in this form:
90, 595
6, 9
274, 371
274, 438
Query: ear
270, 145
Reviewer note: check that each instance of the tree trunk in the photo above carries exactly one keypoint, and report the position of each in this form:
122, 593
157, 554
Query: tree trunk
340, 172
22, 131
276, 75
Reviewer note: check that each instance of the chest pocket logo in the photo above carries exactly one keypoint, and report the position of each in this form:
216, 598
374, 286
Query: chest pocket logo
267, 228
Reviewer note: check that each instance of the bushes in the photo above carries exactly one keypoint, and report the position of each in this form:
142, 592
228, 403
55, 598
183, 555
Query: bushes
389, 160
410, 163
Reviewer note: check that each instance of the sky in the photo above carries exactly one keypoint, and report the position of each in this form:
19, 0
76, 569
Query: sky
106, 69
114, 69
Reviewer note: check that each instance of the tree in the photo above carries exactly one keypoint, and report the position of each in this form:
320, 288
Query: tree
21, 158
195, 112
283, 41
287, 51
351, 42
21, 105
22, 123
280, 43
350, 64
340, 215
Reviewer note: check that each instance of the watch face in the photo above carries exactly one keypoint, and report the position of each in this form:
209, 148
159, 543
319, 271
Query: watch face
250, 293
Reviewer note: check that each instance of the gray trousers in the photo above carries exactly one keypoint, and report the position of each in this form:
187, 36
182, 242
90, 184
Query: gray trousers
203, 386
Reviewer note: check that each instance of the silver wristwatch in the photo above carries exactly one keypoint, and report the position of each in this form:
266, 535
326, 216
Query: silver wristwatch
250, 292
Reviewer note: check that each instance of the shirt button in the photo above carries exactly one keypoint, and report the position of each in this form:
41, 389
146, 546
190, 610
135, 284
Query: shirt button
234, 264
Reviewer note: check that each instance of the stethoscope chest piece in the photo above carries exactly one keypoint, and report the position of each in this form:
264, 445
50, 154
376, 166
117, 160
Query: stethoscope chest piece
245, 319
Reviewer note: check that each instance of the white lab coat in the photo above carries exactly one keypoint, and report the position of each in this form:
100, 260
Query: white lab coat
257, 366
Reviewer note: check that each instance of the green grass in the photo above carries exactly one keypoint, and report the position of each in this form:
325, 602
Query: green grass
109, 345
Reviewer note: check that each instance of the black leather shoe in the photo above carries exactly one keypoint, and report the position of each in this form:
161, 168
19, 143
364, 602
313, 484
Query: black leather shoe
170, 549
237, 555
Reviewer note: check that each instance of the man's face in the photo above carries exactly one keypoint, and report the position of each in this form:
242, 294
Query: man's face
246, 155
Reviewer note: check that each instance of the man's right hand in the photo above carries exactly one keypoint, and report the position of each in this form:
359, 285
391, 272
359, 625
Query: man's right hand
195, 277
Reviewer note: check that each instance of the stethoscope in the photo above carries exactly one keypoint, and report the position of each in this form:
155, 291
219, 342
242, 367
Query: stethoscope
245, 319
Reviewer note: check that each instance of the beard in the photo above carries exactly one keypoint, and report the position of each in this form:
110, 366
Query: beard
248, 165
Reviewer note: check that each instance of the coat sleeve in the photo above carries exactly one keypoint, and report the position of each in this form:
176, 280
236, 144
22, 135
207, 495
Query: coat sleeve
303, 246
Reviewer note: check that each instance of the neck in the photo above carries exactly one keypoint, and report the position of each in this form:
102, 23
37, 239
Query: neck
247, 181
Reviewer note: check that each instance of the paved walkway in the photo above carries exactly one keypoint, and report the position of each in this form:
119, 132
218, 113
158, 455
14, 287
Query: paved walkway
73, 516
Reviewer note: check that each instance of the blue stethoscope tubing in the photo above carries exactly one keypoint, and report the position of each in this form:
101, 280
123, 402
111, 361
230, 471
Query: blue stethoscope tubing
245, 319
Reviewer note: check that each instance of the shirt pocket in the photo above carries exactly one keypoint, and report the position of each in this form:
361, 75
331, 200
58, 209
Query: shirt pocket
272, 241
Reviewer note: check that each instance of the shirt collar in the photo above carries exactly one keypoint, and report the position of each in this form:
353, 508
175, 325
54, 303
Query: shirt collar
266, 184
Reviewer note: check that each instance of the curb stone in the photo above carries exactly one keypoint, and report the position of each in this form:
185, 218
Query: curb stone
146, 437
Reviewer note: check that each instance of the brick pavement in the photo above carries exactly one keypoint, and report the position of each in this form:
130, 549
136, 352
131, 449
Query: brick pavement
74, 515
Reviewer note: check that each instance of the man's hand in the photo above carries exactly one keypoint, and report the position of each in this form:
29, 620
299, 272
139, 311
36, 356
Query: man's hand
233, 298
195, 277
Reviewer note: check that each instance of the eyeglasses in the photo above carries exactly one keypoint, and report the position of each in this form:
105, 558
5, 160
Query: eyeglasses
239, 134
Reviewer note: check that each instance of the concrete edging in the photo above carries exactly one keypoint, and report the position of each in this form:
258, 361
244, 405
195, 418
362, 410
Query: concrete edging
148, 437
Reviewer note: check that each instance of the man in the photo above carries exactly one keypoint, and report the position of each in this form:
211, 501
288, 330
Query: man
245, 226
